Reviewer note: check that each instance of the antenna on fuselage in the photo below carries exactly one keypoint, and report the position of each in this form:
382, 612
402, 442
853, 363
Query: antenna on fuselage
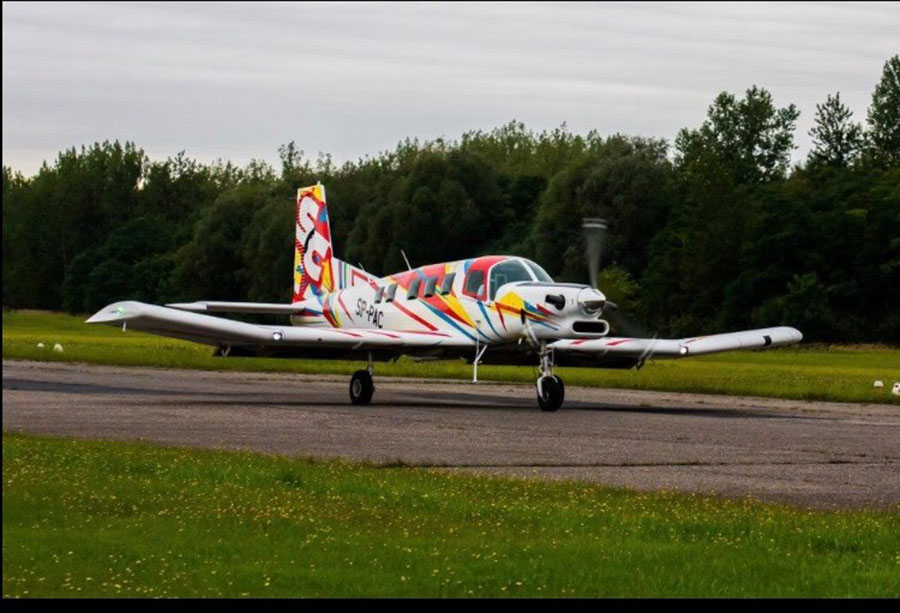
405, 259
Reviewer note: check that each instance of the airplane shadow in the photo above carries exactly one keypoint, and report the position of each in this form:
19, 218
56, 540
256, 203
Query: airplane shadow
276, 402
685, 411
408, 400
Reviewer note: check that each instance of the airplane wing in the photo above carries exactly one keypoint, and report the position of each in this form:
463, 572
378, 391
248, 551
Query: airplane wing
645, 348
315, 342
272, 340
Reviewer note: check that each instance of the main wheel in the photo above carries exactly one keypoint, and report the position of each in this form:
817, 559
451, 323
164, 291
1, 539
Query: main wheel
361, 387
550, 393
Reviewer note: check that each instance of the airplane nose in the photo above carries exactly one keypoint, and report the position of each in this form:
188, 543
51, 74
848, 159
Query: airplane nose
591, 300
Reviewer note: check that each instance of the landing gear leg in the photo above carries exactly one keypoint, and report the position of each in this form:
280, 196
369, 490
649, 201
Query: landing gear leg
550, 389
361, 385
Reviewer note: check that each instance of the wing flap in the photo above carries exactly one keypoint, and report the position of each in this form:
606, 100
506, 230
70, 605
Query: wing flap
675, 348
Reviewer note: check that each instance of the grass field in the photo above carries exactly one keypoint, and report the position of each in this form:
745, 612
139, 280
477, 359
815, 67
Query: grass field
805, 373
127, 519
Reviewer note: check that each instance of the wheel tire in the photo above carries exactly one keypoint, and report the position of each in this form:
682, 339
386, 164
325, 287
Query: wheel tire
562, 388
361, 387
551, 394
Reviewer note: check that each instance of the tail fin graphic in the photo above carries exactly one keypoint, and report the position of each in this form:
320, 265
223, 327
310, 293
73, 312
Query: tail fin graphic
313, 268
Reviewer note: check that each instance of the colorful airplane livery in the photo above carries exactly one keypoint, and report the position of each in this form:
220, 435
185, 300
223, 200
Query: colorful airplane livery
491, 309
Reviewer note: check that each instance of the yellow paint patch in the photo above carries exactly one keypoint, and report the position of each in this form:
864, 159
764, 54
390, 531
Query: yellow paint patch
457, 308
511, 300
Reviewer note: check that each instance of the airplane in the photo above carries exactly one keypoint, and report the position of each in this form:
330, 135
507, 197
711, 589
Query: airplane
492, 309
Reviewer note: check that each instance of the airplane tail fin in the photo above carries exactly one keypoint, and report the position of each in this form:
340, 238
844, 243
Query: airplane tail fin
313, 261
316, 271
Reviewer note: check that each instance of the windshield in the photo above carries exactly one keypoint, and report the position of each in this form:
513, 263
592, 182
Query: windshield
507, 272
539, 272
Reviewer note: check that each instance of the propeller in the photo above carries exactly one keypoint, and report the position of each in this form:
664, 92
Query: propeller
595, 237
594, 233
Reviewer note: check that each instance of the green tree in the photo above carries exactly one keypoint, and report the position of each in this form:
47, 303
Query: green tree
211, 265
837, 141
751, 136
124, 266
625, 181
884, 114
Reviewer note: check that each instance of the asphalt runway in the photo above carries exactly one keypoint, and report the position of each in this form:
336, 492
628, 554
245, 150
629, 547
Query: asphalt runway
824, 455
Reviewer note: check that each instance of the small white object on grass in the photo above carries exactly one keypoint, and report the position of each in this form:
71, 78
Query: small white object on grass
896, 390
879, 384
57, 348
40, 345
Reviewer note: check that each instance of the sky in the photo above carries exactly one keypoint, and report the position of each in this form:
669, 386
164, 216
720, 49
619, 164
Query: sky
235, 81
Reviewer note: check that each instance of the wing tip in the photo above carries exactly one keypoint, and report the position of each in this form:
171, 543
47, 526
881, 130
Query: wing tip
117, 311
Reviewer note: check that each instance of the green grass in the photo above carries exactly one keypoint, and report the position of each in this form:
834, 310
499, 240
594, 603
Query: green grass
805, 372
127, 519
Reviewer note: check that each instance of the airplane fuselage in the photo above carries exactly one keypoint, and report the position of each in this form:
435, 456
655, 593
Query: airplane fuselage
487, 300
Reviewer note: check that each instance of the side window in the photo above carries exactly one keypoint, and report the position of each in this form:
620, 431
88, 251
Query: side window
391, 291
430, 283
447, 284
378, 294
413, 289
475, 284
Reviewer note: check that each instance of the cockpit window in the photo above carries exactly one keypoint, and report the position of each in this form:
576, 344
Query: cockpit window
507, 272
539, 272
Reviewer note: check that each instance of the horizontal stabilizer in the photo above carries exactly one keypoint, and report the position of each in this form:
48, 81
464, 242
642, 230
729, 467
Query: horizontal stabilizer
271, 308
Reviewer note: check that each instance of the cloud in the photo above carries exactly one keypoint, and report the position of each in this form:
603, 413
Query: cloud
237, 80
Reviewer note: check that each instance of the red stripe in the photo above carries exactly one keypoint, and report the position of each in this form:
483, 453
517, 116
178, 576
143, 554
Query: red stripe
389, 335
502, 320
618, 342
414, 316
354, 335
341, 301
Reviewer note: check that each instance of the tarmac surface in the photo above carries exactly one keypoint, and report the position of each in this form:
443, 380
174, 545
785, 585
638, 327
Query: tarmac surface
823, 455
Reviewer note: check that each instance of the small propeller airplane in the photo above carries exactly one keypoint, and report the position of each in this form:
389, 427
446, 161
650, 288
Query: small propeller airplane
495, 309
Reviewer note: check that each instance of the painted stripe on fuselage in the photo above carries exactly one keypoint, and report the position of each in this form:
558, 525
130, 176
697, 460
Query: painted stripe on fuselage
446, 318
414, 316
488, 318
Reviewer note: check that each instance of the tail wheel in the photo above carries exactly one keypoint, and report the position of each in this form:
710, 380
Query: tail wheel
361, 387
550, 393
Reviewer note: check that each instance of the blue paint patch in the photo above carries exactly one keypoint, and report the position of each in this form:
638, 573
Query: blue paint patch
448, 320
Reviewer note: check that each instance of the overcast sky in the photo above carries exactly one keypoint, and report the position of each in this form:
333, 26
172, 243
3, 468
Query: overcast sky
237, 80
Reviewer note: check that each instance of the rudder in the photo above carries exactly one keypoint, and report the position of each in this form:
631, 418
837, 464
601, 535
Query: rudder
313, 261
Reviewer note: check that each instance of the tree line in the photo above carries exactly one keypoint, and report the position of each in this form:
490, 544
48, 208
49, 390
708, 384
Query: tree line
715, 231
